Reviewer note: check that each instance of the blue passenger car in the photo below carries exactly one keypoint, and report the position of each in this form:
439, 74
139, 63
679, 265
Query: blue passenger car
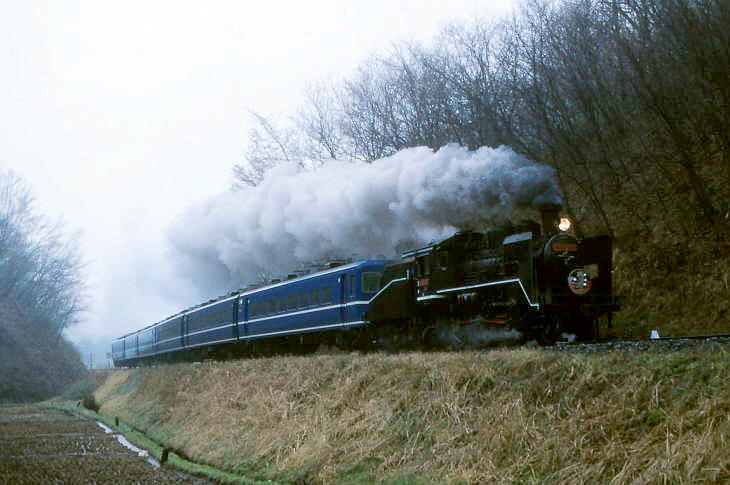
170, 335
211, 324
327, 300
118, 350
130, 346
333, 299
146, 342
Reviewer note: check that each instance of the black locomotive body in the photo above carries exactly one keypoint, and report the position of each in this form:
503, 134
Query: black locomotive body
531, 277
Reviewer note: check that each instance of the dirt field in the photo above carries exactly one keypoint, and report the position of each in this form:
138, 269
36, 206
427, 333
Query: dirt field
50, 446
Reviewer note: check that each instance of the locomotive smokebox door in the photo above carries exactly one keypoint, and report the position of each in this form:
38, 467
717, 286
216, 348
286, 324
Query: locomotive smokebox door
596, 256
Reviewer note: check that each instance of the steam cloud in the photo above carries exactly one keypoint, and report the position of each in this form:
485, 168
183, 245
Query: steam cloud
341, 210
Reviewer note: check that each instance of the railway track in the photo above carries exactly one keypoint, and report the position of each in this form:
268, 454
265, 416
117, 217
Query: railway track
657, 344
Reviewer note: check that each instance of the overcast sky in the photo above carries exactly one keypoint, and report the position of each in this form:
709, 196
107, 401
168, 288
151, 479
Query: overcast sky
121, 114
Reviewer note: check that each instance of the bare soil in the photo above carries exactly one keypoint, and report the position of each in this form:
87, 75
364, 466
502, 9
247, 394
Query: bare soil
47, 446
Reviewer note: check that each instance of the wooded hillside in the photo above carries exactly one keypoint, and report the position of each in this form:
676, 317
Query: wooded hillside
629, 100
33, 365
41, 293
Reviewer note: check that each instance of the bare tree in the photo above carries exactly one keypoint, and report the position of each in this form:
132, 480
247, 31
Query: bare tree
308, 138
269, 145
39, 267
627, 99
319, 121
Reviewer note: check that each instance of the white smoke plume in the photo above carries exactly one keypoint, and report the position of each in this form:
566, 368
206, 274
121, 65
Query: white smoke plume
366, 210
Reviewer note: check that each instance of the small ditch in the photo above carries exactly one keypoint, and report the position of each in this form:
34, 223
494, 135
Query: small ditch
124, 442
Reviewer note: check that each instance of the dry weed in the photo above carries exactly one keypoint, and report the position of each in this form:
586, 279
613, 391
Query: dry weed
501, 417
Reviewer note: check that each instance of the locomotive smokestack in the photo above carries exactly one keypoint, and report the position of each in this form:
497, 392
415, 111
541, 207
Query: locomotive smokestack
550, 218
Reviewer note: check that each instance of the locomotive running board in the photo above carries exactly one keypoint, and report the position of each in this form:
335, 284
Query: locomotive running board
492, 283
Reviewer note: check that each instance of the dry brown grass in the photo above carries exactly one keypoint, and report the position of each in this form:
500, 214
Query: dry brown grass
504, 417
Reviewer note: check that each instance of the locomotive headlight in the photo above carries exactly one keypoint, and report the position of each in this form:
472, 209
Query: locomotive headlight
564, 224
579, 281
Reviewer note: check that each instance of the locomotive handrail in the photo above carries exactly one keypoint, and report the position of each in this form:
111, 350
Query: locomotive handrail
494, 283
386, 287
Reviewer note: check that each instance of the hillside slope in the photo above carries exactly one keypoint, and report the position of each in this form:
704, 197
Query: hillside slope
34, 364
508, 416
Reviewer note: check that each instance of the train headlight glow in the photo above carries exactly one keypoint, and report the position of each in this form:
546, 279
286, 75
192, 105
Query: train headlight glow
564, 224
579, 281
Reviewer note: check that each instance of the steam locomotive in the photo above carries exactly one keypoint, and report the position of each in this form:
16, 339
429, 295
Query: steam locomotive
535, 280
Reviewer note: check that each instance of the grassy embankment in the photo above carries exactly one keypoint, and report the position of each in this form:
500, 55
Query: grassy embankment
505, 417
